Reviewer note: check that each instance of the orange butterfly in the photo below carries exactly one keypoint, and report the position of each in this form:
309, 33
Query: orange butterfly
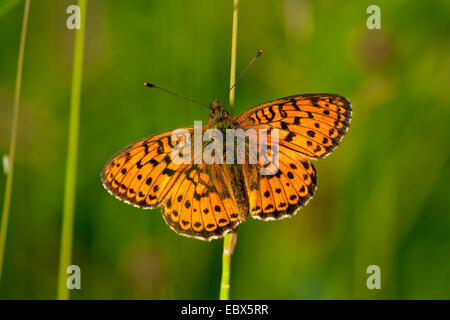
205, 201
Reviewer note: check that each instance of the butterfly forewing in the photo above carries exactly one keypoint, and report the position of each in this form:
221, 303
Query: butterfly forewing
312, 124
143, 173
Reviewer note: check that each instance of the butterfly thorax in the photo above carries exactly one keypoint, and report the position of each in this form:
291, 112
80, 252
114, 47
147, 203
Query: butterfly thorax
219, 118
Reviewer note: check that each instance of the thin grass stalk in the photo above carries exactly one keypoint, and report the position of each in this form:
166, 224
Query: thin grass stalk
13, 138
233, 53
72, 151
229, 240
229, 243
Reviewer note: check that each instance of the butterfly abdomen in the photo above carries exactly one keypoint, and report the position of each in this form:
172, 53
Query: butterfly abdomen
236, 184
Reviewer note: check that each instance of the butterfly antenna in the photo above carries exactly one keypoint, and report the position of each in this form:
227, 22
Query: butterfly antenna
151, 85
243, 73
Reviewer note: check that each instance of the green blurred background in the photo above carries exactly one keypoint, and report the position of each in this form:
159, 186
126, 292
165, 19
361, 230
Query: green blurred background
382, 197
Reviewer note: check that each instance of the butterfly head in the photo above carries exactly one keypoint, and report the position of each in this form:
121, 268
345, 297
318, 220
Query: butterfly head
218, 117
215, 105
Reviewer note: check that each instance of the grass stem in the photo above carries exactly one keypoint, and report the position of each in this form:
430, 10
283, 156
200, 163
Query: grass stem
13, 138
229, 240
72, 151
229, 243
233, 53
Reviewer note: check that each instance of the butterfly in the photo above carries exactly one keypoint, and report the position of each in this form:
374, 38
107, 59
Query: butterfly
205, 201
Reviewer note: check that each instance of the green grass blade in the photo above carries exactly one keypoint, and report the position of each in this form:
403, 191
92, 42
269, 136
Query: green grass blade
12, 144
70, 179
230, 239
233, 53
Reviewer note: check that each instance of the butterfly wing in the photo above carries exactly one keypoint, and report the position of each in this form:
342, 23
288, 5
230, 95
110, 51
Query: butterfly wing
200, 204
309, 126
312, 124
273, 197
196, 198
142, 174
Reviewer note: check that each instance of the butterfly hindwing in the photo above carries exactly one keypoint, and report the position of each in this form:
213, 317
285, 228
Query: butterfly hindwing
280, 195
200, 205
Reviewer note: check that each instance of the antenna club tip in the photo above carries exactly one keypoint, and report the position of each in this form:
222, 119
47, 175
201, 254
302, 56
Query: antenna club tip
259, 53
148, 84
